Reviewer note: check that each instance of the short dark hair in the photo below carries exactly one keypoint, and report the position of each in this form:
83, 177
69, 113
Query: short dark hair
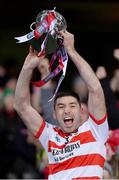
67, 93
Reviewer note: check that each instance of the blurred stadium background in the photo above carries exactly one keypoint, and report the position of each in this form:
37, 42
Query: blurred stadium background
95, 25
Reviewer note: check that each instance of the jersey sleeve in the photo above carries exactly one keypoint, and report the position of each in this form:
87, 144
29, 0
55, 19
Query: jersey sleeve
100, 127
43, 134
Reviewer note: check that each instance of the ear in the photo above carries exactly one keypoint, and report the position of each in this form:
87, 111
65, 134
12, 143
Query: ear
81, 108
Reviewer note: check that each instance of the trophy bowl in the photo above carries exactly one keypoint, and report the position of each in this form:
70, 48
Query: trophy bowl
53, 35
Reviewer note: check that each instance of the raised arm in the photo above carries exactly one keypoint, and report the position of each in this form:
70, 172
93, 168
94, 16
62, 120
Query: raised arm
22, 101
96, 101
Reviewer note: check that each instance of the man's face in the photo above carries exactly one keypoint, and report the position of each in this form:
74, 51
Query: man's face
68, 113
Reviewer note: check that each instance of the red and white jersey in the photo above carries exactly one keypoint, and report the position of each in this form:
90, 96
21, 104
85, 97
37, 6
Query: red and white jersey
80, 155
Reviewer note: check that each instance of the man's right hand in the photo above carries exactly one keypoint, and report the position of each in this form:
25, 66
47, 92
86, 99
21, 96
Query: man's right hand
32, 60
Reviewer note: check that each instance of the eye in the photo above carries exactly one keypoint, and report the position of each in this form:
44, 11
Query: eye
60, 107
73, 105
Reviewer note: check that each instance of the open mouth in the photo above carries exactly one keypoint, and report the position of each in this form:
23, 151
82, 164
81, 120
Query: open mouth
68, 121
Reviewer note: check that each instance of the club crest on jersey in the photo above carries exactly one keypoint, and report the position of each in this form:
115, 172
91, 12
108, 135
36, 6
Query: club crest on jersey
57, 138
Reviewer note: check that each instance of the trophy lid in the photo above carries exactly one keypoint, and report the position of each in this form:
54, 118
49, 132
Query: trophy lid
60, 22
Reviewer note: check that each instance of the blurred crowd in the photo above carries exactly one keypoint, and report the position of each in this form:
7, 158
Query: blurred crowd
21, 154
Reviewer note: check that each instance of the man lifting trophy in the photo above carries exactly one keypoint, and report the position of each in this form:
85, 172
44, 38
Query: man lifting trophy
75, 148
